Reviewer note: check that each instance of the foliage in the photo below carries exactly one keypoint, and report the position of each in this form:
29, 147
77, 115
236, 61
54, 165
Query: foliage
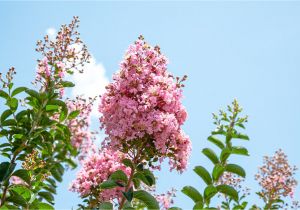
218, 181
36, 138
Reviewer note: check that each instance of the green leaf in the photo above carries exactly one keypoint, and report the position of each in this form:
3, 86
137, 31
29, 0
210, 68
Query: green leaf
228, 190
219, 132
119, 175
73, 114
240, 125
128, 163
5, 115
5, 170
233, 168
4, 94
56, 174
217, 172
193, 193
149, 176
210, 154
23, 174
10, 85
225, 155
51, 107
50, 188
45, 206
18, 136
146, 198
136, 182
8, 207
67, 84
129, 194
198, 206
216, 141
108, 184
22, 191
141, 176
12, 103
9, 122
33, 93
47, 196
63, 114
240, 136
106, 206
174, 208
18, 90
239, 151
17, 200
21, 114
71, 163
5, 145
209, 192
204, 174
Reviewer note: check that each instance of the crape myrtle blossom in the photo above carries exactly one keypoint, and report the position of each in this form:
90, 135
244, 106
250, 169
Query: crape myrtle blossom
276, 177
166, 199
96, 168
142, 107
82, 137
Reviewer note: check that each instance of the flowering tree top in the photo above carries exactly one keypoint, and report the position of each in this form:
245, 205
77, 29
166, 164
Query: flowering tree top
142, 107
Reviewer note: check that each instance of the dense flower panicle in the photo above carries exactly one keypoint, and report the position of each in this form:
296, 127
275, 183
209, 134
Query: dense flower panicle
96, 168
276, 177
82, 138
145, 100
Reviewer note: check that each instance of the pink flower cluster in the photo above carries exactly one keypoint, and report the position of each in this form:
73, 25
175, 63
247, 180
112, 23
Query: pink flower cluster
145, 100
46, 73
17, 181
82, 137
276, 177
96, 168
166, 199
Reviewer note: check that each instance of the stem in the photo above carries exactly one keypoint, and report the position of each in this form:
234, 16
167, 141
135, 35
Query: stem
126, 188
135, 161
269, 204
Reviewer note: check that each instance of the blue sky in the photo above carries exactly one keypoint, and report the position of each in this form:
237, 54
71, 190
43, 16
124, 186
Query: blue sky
244, 50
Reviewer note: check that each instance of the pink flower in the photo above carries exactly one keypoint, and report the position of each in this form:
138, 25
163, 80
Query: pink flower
166, 199
276, 177
96, 168
17, 181
47, 71
60, 65
144, 101
82, 137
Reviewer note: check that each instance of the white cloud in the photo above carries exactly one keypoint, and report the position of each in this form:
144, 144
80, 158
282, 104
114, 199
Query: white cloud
90, 83
51, 32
